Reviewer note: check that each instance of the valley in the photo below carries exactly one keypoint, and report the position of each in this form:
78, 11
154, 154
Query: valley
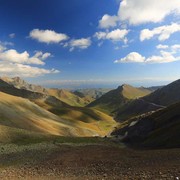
123, 133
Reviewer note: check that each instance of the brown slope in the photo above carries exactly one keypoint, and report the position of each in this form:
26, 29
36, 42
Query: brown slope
61, 94
166, 95
158, 129
134, 108
93, 93
160, 98
51, 103
33, 96
20, 113
21, 84
115, 99
67, 97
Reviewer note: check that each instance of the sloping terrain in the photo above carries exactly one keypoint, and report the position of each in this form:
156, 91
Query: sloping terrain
93, 93
19, 87
32, 96
67, 97
134, 108
158, 129
154, 88
114, 99
21, 84
21, 113
82, 117
158, 99
166, 95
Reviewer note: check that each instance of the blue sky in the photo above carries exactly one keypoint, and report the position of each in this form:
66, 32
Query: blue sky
90, 43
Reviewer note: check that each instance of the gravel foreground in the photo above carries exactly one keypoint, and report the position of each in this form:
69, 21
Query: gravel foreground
50, 161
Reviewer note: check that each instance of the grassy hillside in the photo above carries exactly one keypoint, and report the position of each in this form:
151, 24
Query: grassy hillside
21, 113
131, 92
81, 116
158, 129
115, 99
93, 93
166, 95
17, 86
67, 97
134, 108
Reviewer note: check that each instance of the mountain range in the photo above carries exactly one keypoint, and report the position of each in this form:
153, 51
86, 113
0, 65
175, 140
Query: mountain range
117, 98
44, 112
148, 117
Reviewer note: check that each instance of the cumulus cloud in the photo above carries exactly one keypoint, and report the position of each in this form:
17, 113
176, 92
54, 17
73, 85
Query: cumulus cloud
172, 49
2, 48
12, 55
175, 48
137, 12
141, 11
12, 35
161, 46
13, 63
115, 35
108, 21
132, 57
47, 36
163, 32
3, 45
15, 69
82, 43
164, 57
170, 55
41, 55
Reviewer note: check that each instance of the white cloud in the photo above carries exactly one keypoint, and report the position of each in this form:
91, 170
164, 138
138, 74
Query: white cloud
15, 69
141, 11
163, 32
2, 48
108, 21
41, 55
168, 56
14, 63
12, 35
132, 57
115, 35
175, 47
12, 55
164, 57
161, 46
3, 45
47, 36
100, 35
82, 43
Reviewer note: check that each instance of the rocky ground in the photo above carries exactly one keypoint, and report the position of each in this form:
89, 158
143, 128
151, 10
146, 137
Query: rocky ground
87, 161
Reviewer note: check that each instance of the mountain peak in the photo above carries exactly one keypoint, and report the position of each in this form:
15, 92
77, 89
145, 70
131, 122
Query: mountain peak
21, 84
123, 86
